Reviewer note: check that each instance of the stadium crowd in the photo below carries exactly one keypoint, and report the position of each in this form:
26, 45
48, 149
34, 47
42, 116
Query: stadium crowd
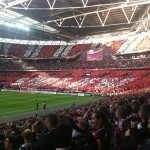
68, 64
114, 123
103, 81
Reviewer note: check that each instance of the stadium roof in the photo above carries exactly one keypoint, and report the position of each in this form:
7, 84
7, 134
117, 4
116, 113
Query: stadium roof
71, 19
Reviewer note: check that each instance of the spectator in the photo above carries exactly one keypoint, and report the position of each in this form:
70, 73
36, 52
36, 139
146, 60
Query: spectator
98, 121
137, 133
27, 136
11, 143
46, 141
121, 127
64, 134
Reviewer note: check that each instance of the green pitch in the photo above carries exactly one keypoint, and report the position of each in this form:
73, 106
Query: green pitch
13, 103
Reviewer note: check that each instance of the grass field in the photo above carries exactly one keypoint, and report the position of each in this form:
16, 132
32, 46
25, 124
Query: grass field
13, 103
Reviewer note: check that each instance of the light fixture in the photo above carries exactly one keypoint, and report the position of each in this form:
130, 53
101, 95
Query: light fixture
14, 25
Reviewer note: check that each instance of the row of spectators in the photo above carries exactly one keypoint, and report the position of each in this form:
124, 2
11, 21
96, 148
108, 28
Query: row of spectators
67, 64
114, 123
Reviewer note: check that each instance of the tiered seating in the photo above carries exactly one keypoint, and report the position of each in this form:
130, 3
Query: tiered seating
124, 47
65, 52
104, 81
29, 51
59, 51
1, 49
17, 50
36, 51
136, 42
115, 46
6, 47
144, 45
9, 64
9, 77
47, 51
78, 48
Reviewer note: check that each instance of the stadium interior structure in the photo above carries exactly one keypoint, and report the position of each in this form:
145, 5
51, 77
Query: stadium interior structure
90, 46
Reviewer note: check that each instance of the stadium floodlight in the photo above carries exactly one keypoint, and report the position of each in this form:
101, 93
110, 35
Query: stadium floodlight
14, 25
11, 15
21, 26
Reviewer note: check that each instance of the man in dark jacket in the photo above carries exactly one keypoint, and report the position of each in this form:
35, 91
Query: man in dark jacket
48, 140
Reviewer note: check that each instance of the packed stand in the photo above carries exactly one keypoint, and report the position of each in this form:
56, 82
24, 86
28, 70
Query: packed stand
17, 50
114, 123
103, 81
15, 64
47, 51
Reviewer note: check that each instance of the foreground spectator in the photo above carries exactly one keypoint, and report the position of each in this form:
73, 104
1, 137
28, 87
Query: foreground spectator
98, 121
64, 134
26, 135
138, 132
47, 141
11, 143
121, 127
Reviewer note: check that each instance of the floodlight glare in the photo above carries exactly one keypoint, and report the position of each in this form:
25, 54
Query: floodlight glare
10, 24
26, 28
21, 26
14, 25
1, 22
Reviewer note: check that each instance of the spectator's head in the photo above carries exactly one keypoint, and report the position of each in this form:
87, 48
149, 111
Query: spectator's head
122, 102
143, 100
7, 132
135, 108
104, 110
27, 135
98, 119
11, 143
51, 121
144, 111
121, 113
129, 109
64, 134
